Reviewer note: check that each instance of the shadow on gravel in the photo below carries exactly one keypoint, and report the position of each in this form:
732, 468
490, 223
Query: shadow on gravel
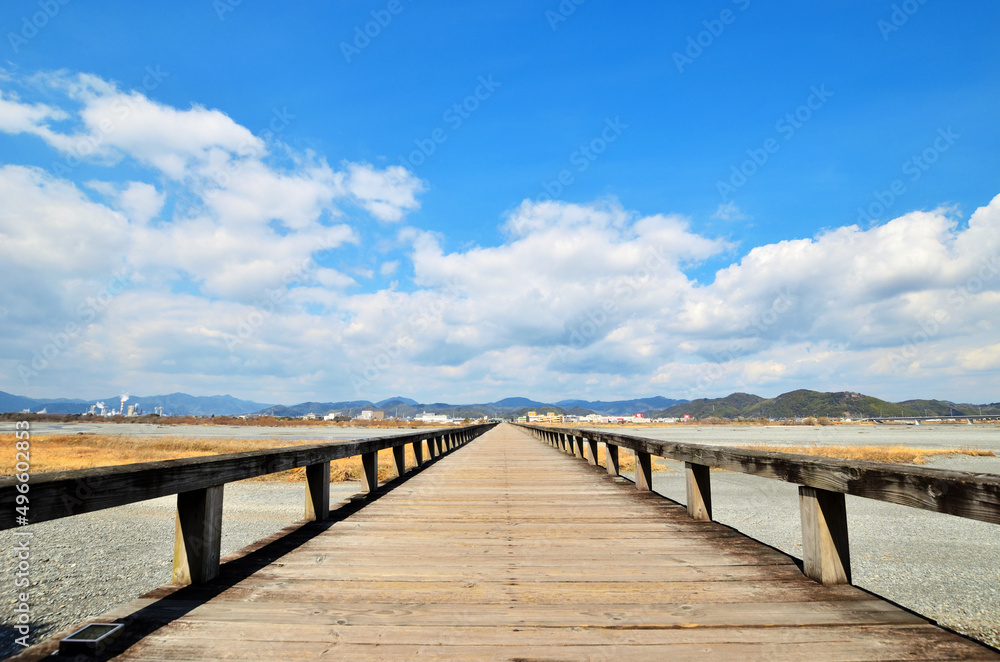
173, 602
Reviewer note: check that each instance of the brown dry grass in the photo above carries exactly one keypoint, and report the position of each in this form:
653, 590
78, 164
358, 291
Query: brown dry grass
85, 451
891, 454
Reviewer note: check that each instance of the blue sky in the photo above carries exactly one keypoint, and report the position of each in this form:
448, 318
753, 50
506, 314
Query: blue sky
474, 201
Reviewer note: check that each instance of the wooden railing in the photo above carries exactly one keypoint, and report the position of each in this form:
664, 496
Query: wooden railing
198, 483
823, 483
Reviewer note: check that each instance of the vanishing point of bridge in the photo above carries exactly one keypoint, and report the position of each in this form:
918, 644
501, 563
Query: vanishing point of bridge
497, 546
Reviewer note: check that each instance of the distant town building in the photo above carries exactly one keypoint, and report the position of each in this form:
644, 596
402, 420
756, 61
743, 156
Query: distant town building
432, 418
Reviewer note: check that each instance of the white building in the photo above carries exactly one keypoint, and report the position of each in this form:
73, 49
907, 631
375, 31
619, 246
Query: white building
432, 418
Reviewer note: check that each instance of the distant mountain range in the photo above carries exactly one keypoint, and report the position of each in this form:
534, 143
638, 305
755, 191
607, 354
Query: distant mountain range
182, 404
734, 406
404, 407
176, 404
814, 403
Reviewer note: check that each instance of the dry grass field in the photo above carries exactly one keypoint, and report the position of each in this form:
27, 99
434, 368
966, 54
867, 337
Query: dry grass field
891, 454
84, 451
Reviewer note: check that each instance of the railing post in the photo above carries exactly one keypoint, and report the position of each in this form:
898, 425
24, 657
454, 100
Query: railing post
399, 458
577, 446
643, 471
592, 443
318, 491
369, 475
198, 535
418, 451
611, 459
699, 491
826, 554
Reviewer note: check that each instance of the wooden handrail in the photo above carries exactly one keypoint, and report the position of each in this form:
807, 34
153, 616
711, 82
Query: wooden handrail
60, 494
198, 483
823, 483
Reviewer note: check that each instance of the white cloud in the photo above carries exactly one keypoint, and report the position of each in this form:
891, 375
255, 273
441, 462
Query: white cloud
728, 211
51, 230
17, 117
578, 298
386, 194
139, 201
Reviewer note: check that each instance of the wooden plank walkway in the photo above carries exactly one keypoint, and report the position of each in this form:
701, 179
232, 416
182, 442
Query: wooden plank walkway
508, 549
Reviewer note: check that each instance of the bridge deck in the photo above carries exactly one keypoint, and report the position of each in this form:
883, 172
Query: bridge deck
508, 549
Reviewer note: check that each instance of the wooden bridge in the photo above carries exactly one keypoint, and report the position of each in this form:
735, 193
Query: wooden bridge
512, 549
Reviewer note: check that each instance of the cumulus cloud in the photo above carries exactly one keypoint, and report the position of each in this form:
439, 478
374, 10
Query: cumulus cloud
232, 268
17, 117
386, 194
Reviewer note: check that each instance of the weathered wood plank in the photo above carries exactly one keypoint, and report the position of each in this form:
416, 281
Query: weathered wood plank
399, 459
198, 535
317, 491
611, 461
826, 555
369, 471
643, 471
699, 491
